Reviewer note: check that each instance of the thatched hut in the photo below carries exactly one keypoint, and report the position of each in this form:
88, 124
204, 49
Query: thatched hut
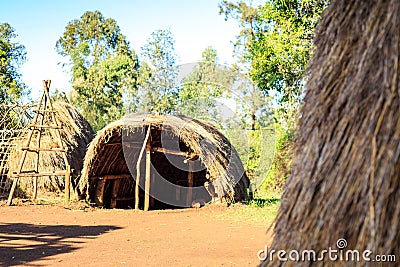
76, 134
189, 163
345, 182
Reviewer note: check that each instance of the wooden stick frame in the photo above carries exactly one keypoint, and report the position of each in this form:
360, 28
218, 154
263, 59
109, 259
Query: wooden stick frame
34, 126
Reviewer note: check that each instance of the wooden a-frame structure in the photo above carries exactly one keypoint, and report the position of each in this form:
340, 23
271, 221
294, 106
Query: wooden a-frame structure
43, 113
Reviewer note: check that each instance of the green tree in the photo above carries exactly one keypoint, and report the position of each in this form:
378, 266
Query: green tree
158, 74
12, 56
206, 82
273, 47
281, 49
103, 66
245, 15
276, 43
59, 95
279, 54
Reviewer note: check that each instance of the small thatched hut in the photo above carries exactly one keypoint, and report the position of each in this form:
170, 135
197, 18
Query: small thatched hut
191, 163
345, 182
76, 134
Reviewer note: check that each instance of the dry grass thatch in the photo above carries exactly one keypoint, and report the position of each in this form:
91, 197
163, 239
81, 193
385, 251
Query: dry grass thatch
105, 154
346, 172
76, 134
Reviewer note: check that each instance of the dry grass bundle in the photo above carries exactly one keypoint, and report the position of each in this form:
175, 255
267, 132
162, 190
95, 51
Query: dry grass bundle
346, 172
76, 134
105, 154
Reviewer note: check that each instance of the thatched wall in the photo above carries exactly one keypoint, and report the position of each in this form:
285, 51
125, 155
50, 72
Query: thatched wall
222, 166
76, 134
346, 171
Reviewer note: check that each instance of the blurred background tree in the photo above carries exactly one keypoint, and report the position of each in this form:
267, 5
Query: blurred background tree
158, 74
207, 82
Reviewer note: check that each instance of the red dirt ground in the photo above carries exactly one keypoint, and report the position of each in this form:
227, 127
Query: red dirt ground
55, 236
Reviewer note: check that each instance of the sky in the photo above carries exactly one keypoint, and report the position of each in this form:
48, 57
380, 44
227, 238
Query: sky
39, 24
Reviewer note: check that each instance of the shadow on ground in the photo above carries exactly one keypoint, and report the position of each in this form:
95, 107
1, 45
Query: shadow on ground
21, 243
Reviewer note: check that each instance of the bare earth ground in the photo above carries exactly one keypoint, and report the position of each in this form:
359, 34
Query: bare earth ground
41, 235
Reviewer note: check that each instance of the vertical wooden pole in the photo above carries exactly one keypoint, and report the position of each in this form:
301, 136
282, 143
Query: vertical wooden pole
152, 186
147, 178
189, 197
14, 185
99, 199
137, 180
67, 182
35, 187
114, 193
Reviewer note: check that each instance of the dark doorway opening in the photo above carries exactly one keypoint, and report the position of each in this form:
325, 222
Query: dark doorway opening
176, 181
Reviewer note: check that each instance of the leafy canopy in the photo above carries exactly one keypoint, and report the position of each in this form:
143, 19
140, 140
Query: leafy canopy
274, 46
207, 79
206, 82
282, 45
102, 64
276, 41
12, 56
158, 74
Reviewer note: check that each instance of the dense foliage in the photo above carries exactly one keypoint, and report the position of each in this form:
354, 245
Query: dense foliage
207, 82
275, 45
102, 64
158, 74
282, 45
12, 56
